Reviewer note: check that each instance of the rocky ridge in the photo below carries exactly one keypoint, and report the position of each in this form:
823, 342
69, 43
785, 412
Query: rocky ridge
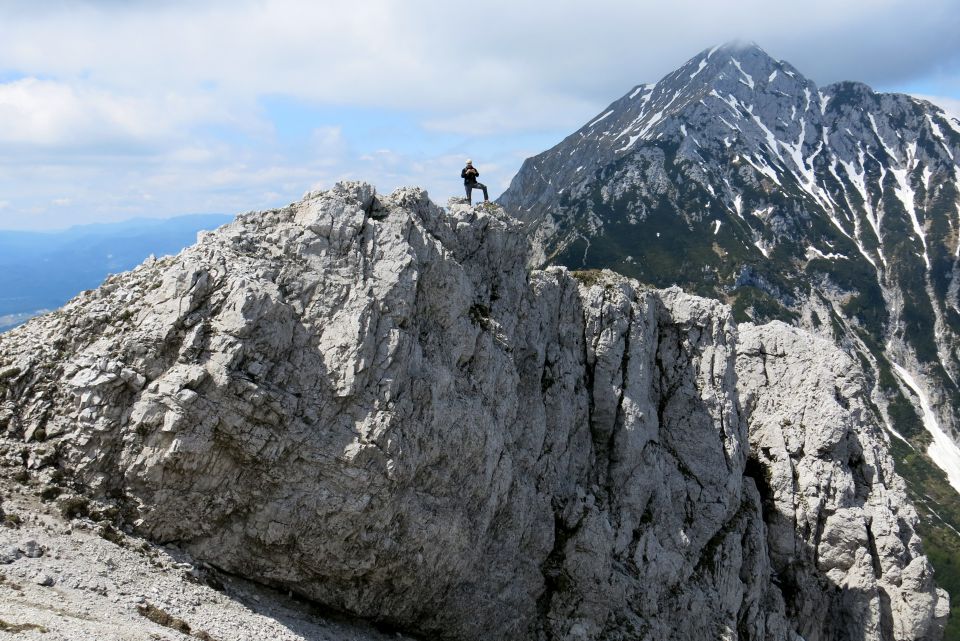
373, 403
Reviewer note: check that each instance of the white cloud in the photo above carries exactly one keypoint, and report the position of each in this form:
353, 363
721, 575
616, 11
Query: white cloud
950, 106
192, 154
119, 100
434, 54
426, 55
48, 113
524, 113
328, 145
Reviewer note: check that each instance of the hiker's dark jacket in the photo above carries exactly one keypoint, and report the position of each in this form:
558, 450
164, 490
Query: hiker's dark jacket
469, 179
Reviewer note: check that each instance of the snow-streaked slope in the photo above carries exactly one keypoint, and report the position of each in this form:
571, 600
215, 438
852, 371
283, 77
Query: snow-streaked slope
835, 207
943, 450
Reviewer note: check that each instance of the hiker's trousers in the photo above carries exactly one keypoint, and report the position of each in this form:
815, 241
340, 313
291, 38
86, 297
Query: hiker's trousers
469, 187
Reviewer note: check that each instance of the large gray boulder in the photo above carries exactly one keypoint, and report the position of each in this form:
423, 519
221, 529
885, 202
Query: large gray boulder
372, 402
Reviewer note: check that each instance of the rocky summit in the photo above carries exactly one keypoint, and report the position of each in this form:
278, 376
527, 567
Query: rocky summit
372, 403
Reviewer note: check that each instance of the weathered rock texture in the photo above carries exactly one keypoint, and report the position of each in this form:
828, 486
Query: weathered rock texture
840, 531
372, 402
91, 583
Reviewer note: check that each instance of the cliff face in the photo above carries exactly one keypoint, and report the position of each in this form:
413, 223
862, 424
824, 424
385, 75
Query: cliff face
840, 530
372, 402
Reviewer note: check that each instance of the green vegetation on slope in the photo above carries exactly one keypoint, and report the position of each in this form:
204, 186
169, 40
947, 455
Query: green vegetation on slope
939, 508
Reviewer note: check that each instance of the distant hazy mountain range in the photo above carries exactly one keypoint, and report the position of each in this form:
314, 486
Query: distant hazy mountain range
40, 271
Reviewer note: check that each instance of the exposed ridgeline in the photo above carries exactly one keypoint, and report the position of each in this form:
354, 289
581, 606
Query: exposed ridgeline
374, 403
835, 209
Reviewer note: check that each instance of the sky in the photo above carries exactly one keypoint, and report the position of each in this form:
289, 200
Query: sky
111, 109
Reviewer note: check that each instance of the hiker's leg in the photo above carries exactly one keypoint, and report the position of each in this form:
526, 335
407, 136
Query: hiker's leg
484, 188
468, 190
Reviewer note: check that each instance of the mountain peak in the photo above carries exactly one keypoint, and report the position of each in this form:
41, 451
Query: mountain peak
737, 68
736, 86
733, 47
742, 50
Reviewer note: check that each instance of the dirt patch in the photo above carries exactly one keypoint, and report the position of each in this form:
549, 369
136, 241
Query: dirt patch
167, 620
20, 627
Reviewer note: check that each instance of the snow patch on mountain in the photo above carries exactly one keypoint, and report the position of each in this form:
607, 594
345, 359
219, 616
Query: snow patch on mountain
747, 78
601, 118
813, 253
907, 197
943, 450
700, 67
957, 252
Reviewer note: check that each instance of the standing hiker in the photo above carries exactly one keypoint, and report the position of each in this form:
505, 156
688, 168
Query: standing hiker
469, 175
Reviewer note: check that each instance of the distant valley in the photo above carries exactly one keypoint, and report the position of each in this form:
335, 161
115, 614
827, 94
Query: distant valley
40, 271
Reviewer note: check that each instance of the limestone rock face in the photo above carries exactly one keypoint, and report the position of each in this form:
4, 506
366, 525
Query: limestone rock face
840, 528
371, 401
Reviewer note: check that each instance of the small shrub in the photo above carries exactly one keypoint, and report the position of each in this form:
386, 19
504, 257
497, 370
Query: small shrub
161, 617
50, 492
110, 533
74, 506
587, 277
480, 315
167, 620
